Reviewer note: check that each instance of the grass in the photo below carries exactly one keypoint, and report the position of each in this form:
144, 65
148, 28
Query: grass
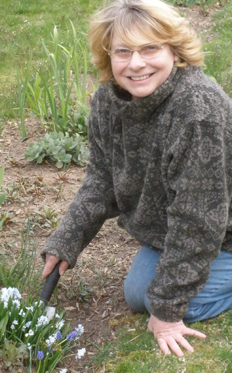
136, 351
23, 26
219, 62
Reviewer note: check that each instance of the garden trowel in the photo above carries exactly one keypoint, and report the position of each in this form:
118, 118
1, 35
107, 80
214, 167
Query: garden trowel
47, 291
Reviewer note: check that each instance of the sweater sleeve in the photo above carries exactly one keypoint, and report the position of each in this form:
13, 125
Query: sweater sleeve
197, 183
93, 204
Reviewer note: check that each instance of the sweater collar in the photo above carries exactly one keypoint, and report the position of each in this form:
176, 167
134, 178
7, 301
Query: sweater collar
142, 109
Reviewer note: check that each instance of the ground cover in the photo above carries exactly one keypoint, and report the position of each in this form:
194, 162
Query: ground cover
92, 294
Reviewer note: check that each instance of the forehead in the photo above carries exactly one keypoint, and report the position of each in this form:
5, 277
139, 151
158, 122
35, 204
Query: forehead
134, 38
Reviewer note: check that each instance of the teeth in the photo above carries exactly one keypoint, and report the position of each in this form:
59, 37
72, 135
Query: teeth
140, 77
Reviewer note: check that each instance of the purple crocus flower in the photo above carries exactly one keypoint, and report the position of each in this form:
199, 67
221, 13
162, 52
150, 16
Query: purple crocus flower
58, 335
40, 355
71, 335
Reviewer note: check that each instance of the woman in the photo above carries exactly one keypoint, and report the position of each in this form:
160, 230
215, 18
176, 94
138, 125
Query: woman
160, 160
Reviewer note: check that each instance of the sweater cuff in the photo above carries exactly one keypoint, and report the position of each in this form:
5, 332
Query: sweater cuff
169, 313
61, 255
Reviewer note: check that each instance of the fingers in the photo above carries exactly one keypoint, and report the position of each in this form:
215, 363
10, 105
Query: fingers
195, 333
163, 346
172, 344
51, 261
170, 335
63, 267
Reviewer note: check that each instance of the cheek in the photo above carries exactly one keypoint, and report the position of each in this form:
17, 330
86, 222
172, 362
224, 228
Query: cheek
116, 69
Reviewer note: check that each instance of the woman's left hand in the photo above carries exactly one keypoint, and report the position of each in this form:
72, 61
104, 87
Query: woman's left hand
169, 335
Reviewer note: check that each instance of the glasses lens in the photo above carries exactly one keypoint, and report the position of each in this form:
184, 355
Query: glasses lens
121, 54
148, 51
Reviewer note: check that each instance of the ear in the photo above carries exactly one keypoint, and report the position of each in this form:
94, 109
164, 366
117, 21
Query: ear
175, 57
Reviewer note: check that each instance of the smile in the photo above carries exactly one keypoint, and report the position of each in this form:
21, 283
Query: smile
136, 78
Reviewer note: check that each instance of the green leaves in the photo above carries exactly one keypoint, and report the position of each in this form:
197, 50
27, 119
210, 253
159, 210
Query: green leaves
57, 94
59, 148
12, 354
3, 324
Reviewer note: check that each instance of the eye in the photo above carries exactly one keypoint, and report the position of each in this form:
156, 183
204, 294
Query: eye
122, 51
151, 48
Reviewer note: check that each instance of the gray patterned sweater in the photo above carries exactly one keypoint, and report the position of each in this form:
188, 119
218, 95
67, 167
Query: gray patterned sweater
163, 165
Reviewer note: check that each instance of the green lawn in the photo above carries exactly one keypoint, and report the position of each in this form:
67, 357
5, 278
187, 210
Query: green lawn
23, 25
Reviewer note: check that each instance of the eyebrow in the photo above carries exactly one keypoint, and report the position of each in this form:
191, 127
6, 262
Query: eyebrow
120, 45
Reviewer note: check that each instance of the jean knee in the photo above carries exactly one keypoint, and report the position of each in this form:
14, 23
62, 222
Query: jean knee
133, 295
207, 311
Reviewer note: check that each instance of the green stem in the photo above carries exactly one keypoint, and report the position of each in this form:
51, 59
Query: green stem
30, 362
39, 366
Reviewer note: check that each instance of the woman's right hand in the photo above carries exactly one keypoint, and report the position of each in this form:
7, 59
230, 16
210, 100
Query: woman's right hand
50, 263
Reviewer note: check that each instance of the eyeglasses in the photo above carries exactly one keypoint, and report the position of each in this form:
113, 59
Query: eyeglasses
125, 54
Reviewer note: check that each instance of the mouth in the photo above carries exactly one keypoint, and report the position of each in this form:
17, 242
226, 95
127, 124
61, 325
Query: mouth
138, 78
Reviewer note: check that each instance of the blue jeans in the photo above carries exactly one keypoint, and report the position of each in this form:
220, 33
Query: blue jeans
214, 298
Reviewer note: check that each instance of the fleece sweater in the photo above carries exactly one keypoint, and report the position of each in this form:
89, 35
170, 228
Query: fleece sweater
163, 165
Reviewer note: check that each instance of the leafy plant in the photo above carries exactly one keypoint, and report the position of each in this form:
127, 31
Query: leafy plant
84, 290
22, 95
59, 148
58, 96
22, 273
48, 218
12, 355
28, 337
5, 218
11, 193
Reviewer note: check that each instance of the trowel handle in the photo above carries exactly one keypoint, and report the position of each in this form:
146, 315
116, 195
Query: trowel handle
50, 284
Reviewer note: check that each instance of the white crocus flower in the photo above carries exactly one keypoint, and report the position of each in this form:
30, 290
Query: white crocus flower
80, 353
7, 293
79, 330
21, 313
42, 321
51, 340
17, 303
60, 324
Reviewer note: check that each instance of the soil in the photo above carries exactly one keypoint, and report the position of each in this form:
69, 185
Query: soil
92, 293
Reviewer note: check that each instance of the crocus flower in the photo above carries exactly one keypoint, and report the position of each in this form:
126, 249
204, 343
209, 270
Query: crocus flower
71, 335
7, 293
40, 355
42, 321
60, 324
80, 353
51, 340
79, 330
58, 335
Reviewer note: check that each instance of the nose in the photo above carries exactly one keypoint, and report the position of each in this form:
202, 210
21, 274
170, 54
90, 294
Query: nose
136, 61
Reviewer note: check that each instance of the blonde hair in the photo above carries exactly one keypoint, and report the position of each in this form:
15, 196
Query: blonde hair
155, 19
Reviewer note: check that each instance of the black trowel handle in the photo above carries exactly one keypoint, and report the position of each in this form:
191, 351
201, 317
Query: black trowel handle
50, 283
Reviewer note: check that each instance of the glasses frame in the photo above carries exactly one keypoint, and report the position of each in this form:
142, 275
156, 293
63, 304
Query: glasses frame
110, 53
